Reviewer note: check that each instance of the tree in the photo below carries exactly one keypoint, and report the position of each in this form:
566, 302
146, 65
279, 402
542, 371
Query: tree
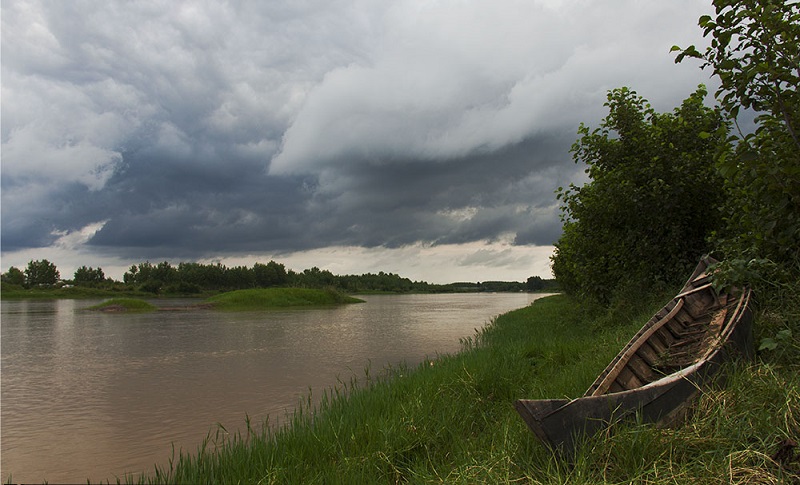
130, 276
164, 272
88, 276
755, 53
41, 273
240, 277
315, 278
138, 275
644, 217
14, 276
270, 274
534, 283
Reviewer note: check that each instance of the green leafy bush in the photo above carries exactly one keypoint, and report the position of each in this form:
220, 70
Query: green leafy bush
653, 198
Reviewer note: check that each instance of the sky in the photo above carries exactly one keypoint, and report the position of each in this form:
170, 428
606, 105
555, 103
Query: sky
423, 138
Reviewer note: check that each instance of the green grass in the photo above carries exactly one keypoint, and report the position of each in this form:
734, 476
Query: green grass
10, 292
451, 420
266, 298
128, 305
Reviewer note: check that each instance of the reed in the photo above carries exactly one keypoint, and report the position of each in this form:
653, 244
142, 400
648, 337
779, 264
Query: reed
451, 420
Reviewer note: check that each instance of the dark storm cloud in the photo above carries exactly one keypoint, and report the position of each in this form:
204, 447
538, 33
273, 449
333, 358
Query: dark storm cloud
181, 207
192, 129
479, 197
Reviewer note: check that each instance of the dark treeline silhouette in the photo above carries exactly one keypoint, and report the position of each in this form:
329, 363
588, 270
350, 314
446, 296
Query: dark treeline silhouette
195, 278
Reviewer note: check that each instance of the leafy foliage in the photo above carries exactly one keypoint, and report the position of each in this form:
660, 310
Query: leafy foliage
270, 274
41, 273
755, 53
193, 277
14, 276
644, 217
88, 276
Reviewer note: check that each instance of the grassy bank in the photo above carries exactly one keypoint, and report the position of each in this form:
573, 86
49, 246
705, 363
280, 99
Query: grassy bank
240, 300
265, 298
16, 292
451, 420
128, 305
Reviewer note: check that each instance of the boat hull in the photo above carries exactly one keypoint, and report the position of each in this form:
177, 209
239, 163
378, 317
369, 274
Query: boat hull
560, 423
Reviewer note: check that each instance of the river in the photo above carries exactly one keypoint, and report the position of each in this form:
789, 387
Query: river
91, 395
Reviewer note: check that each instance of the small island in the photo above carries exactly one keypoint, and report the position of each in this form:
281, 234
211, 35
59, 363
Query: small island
124, 305
239, 300
267, 298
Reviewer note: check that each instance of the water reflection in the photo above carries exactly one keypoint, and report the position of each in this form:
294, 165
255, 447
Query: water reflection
97, 395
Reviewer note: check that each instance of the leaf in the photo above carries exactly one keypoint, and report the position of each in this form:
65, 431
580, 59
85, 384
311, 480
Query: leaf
749, 156
768, 344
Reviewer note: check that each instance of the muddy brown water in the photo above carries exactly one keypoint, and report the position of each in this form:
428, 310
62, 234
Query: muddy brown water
93, 395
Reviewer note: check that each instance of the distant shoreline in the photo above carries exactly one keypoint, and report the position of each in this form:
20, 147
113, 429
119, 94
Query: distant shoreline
239, 300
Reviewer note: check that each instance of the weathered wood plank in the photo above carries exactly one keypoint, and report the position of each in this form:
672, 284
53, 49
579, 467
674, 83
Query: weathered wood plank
659, 370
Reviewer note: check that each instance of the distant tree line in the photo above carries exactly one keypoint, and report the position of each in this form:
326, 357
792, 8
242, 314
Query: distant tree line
194, 278
38, 273
197, 277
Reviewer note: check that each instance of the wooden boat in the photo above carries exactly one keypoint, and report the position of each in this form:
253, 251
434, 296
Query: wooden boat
658, 372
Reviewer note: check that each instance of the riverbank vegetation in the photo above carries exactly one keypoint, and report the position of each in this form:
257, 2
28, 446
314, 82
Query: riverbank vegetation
266, 298
11, 291
127, 305
239, 300
41, 280
663, 189
451, 420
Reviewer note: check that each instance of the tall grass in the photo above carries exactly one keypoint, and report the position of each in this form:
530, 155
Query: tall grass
451, 420
265, 298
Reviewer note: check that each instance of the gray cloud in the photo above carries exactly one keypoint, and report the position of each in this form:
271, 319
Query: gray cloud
479, 197
440, 90
190, 130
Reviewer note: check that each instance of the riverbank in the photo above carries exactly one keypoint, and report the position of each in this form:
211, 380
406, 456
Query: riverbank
118, 290
266, 298
452, 419
240, 300
124, 305
16, 292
